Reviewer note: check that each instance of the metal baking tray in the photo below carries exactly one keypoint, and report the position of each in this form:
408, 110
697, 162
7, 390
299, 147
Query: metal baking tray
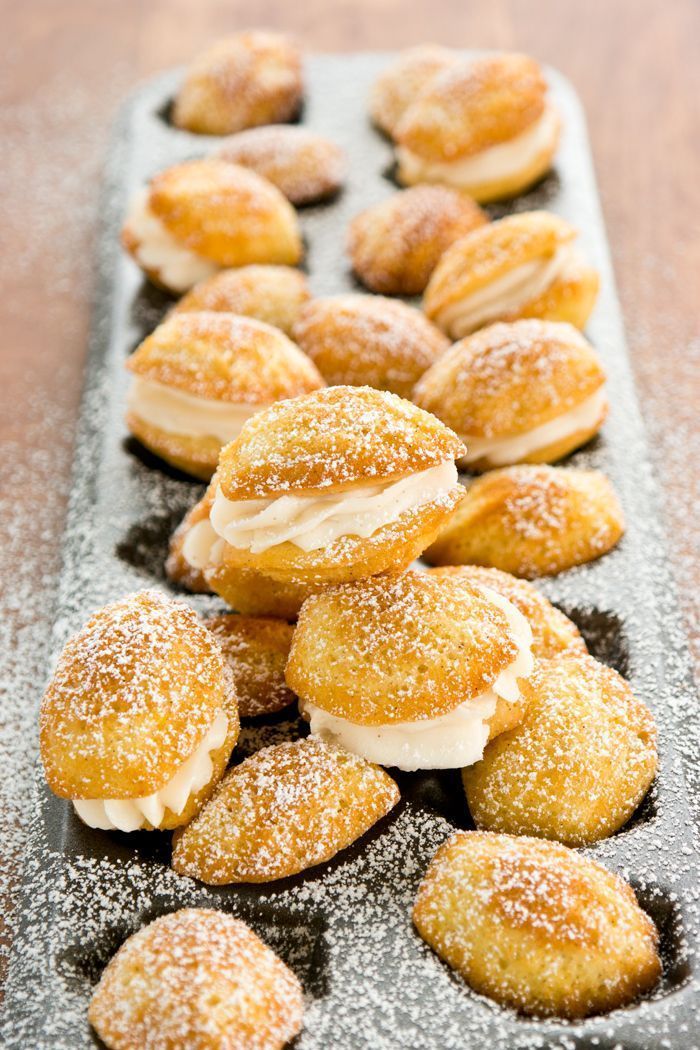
345, 926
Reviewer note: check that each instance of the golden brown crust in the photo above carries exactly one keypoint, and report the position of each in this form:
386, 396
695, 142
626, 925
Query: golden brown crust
367, 340
226, 213
398, 647
252, 593
553, 633
576, 767
335, 437
532, 521
177, 569
244, 80
273, 294
536, 926
508, 379
402, 81
473, 105
256, 650
196, 978
568, 298
283, 810
395, 245
133, 695
304, 166
197, 456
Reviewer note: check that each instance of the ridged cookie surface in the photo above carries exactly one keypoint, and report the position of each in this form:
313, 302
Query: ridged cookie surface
256, 650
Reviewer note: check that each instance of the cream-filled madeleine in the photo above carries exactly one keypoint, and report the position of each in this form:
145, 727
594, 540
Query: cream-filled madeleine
368, 340
199, 377
343, 483
485, 126
527, 392
402, 81
246, 79
273, 294
526, 265
410, 669
204, 215
140, 717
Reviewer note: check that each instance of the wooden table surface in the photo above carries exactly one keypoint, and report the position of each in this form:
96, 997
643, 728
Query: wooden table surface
65, 67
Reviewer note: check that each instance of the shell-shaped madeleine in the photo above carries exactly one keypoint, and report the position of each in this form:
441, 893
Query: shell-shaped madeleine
473, 105
368, 340
536, 926
398, 647
226, 213
578, 764
246, 79
395, 245
332, 437
132, 697
510, 378
225, 358
281, 811
532, 521
196, 978
256, 649
306, 167
273, 294
553, 633
402, 81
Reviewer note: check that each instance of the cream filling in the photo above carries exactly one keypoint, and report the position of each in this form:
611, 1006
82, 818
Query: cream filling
508, 293
489, 165
177, 267
449, 741
130, 814
177, 412
499, 452
312, 522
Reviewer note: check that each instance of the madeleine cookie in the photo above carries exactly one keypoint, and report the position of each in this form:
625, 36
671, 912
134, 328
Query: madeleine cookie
484, 126
140, 717
204, 215
306, 167
281, 811
244, 80
532, 521
553, 633
525, 265
395, 245
196, 978
256, 650
273, 294
527, 392
367, 340
576, 767
199, 377
536, 926
403, 80
343, 483
410, 669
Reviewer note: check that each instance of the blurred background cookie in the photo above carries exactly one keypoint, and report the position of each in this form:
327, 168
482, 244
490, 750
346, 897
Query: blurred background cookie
401, 82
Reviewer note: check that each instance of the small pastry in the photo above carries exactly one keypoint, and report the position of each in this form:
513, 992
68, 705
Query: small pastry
532, 521
196, 978
242, 81
402, 81
576, 767
367, 340
484, 126
283, 810
256, 650
204, 215
527, 392
553, 633
140, 717
410, 669
395, 245
304, 166
199, 377
525, 265
273, 294
342, 483
177, 569
536, 926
